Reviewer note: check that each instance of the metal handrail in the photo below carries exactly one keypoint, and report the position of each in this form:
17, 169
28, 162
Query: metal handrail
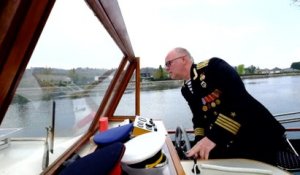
287, 120
285, 114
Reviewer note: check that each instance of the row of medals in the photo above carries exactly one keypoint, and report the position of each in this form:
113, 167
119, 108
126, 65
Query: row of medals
212, 99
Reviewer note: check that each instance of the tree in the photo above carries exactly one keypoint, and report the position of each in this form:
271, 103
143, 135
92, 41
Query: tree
47, 71
240, 69
73, 75
160, 74
250, 70
295, 65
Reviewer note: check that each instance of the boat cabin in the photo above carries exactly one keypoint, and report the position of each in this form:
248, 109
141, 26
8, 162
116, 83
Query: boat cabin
52, 117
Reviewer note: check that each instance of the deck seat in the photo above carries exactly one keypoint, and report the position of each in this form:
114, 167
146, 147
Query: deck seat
117, 134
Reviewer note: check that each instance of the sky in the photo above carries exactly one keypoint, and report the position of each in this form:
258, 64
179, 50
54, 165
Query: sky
262, 33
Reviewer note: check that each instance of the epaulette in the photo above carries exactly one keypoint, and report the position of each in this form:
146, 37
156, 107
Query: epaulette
202, 64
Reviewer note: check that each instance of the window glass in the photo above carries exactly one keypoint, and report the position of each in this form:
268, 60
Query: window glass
72, 65
126, 106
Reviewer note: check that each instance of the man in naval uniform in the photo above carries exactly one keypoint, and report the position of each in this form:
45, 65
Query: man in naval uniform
228, 122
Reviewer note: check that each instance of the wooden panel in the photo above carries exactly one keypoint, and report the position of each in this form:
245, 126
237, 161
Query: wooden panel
7, 15
103, 110
109, 13
121, 86
137, 87
23, 23
118, 31
175, 158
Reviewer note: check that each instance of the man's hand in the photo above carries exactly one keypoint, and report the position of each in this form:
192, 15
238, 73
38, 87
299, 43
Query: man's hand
201, 149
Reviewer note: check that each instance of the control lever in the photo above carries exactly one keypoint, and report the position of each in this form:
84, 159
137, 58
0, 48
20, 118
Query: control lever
196, 169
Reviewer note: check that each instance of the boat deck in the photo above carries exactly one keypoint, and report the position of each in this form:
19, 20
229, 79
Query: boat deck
26, 155
232, 166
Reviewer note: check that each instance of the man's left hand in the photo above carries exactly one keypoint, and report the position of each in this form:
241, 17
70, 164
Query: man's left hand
201, 149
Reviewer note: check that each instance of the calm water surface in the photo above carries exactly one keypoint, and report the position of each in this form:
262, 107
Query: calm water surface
278, 94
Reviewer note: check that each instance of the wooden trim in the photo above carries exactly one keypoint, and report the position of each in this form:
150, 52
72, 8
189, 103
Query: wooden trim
102, 110
23, 23
9, 17
109, 13
292, 129
54, 167
174, 157
21, 32
121, 118
137, 87
121, 87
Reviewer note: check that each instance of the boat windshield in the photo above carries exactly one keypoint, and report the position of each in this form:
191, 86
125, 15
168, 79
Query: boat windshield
67, 76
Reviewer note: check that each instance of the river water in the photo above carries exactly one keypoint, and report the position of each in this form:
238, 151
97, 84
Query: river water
278, 94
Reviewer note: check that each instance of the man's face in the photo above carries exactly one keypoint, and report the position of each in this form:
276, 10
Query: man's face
174, 65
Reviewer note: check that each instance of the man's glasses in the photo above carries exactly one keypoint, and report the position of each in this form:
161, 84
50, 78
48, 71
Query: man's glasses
169, 63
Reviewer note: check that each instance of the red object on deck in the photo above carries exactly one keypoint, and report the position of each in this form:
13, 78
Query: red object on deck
103, 124
117, 170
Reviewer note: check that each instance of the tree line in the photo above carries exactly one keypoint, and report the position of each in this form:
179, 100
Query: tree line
161, 74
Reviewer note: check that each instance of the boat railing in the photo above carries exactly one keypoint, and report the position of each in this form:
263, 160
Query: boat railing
289, 117
283, 118
5, 136
286, 114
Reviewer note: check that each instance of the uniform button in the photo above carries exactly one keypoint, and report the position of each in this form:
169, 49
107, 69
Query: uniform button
213, 104
230, 142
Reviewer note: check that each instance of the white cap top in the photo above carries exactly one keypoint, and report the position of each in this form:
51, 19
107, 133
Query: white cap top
143, 147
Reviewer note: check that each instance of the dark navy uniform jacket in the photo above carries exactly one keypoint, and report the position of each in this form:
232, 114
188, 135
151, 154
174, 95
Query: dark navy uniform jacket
228, 115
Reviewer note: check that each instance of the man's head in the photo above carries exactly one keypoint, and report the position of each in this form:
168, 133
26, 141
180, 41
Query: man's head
178, 63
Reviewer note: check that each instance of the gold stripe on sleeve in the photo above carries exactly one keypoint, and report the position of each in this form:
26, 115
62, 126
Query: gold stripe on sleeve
228, 124
199, 131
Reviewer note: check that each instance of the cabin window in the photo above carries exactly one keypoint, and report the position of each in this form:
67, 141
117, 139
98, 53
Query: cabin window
127, 103
72, 65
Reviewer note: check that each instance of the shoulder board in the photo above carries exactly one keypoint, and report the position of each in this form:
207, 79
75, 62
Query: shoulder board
202, 64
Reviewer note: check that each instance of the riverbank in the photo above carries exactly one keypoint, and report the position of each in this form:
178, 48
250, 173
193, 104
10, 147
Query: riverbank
160, 85
170, 84
254, 76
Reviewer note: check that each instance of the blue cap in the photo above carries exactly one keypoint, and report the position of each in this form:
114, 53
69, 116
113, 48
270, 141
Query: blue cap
101, 162
117, 134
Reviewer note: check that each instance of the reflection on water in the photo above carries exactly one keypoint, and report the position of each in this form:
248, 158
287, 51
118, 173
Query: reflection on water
246, 82
278, 94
